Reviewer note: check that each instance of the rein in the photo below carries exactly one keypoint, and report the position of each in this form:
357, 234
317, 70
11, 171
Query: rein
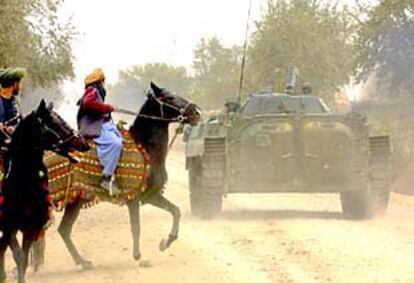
6, 134
61, 142
180, 118
178, 131
128, 112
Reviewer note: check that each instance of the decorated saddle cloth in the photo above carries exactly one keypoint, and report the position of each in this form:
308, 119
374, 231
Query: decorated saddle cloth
68, 182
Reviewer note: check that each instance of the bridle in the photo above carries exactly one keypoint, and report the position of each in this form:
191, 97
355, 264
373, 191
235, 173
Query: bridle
60, 142
47, 130
180, 118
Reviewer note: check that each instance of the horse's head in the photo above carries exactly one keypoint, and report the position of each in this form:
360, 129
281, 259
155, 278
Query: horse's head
58, 136
172, 108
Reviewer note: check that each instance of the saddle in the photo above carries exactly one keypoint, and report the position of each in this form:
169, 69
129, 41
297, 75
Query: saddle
68, 182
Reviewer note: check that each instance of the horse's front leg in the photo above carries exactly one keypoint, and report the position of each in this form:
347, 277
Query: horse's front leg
160, 201
134, 216
4, 242
65, 230
18, 255
29, 236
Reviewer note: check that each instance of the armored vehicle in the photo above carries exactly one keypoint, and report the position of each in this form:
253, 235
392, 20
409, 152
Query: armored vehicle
287, 142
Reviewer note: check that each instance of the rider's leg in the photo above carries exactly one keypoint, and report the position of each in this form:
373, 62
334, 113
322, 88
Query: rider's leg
109, 148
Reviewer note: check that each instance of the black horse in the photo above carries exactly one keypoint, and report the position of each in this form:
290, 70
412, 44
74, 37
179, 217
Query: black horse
26, 204
150, 130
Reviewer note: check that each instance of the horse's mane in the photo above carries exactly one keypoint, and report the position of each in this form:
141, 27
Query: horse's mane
26, 142
153, 135
25, 183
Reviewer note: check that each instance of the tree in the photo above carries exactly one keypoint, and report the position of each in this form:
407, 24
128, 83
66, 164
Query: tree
134, 82
386, 40
317, 38
33, 36
167, 76
217, 72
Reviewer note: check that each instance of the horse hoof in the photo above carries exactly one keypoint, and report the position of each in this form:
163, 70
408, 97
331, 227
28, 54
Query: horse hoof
164, 244
37, 267
137, 256
145, 263
86, 265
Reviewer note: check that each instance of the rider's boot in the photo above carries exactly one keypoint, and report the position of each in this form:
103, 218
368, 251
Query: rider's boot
110, 185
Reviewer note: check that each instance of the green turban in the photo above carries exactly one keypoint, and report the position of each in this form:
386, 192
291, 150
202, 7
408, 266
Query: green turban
11, 75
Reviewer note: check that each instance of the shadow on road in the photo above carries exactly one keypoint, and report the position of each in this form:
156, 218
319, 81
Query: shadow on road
243, 214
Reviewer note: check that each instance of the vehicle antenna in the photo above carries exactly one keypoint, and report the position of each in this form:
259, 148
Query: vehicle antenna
244, 52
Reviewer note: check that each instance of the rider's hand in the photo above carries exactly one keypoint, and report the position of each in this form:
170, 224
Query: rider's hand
114, 107
10, 130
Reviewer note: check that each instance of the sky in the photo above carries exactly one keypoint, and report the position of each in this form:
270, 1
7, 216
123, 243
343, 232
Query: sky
116, 34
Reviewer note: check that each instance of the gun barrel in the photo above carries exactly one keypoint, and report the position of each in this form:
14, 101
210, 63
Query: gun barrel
293, 74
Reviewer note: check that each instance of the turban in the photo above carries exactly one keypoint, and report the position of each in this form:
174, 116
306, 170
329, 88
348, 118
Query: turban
11, 75
96, 76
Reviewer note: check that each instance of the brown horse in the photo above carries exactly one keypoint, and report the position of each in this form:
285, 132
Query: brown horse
24, 194
149, 132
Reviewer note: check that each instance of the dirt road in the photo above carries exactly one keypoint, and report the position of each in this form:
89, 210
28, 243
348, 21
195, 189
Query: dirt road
258, 238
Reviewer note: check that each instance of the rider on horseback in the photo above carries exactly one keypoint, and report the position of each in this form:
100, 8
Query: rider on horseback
94, 121
10, 114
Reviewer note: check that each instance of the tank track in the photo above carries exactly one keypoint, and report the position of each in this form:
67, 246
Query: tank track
372, 197
213, 176
380, 163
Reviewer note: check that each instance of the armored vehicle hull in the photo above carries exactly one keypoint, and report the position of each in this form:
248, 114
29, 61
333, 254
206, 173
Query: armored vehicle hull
300, 151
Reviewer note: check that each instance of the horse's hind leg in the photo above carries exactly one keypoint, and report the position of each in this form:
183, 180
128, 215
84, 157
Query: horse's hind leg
65, 229
160, 201
133, 208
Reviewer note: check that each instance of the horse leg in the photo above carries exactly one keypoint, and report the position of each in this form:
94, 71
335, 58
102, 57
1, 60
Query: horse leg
3, 247
160, 201
65, 229
4, 243
18, 255
39, 248
134, 216
29, 236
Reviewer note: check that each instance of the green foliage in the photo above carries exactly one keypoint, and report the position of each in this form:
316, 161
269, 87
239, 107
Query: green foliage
32, 36
385, 44
317, 38
130, 90
166, 76
217, 72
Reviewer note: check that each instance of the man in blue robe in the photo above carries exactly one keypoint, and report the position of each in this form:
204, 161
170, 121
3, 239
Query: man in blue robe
94, 121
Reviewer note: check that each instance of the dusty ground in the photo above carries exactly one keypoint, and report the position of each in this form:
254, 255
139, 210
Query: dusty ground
258, 238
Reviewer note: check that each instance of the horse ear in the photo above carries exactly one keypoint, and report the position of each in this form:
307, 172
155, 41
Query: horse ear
50, 106
42, 106
156, 89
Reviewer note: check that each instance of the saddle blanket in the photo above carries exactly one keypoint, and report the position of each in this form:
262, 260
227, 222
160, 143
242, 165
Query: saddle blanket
67, 181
